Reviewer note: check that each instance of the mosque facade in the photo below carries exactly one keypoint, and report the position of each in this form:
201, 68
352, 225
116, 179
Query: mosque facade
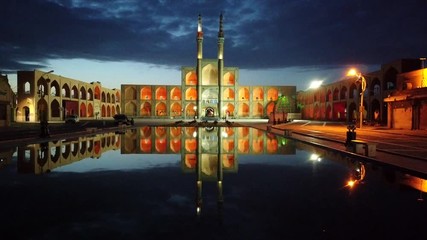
210, 90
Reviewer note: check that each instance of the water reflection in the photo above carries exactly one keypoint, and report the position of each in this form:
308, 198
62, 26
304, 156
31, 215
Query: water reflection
207, 152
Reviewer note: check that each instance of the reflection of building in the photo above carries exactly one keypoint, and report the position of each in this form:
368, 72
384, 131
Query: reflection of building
209, 90
7, 101
60, 96
207, 151
43, 157
339, 101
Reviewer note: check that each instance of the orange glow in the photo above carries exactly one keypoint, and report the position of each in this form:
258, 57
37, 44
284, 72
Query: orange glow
161, 93
258, 145
228, 145
190, 160
190, 145
145, 132
272, 145
352, 72
191, 78
243, 145
351, 183
175, 131
176, 94
145, 145
191, 94
146, 93
161, 145
243, 132
175, 145
160, 131
189, 131
228, 161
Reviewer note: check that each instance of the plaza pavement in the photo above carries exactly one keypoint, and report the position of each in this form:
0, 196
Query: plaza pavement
402, 148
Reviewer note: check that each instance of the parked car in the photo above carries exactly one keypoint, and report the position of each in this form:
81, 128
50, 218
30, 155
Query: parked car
72, 119
122, 119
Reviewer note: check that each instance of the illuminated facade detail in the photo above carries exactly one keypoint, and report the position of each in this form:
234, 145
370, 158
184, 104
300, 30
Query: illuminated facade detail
339, 101
60, 96
207, 91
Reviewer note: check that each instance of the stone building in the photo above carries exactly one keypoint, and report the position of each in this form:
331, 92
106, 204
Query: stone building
340, 101
407, 106
7, 101
44, 93
209, 90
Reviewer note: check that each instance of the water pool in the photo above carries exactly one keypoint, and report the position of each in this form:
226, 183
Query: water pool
214, 183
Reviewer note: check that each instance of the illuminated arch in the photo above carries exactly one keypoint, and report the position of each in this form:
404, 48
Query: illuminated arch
161, 109
146, 93
190, 110
161, 93
83, 111
243, 110
272, 94
229, 94
97, 93
257, 110
145, 109
229, 79
243, 94
191, 94
209, 75
176, 109
175, 94
258, 94
191, 78
90, 110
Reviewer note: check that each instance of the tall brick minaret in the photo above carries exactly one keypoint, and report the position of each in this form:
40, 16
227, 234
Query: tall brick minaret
220, 65
199, 64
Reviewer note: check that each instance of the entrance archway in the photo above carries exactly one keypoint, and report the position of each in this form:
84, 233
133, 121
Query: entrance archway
210, 112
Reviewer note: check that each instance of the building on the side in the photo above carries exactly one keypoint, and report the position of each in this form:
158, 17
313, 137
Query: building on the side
47, 94
7, 101
340, 101
407, 106
209, 90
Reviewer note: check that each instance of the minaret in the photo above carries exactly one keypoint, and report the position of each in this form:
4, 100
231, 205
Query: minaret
220, 66
199, 63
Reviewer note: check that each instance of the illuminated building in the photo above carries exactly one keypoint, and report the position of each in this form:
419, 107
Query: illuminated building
339, 101
209, 90
61, 96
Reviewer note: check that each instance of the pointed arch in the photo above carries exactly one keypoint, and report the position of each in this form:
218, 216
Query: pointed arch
55, 109
145, 93
83, 111
209, 75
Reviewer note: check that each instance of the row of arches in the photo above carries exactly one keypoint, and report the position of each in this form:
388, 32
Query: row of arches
160, 93
176, 109
53, 89
343, 112
210, 77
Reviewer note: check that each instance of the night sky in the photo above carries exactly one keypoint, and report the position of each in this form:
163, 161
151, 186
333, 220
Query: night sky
273, 42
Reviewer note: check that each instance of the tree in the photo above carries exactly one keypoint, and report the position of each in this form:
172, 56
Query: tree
283, 105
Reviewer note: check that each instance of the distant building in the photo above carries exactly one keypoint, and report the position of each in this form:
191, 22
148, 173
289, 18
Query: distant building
7, 101
207, 91
42, 93
340, 101
407, 106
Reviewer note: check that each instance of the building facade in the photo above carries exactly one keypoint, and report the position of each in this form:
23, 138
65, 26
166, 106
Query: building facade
47, 94
407, 106
340, 101
7, 102
207, 91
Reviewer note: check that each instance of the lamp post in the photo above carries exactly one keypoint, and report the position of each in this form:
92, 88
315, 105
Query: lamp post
362, 80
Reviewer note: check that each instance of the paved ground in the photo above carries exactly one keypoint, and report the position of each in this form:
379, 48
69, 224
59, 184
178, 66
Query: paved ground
402, 148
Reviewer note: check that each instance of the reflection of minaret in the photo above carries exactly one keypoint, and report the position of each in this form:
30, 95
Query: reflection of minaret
199, 63
220, 64
198, 176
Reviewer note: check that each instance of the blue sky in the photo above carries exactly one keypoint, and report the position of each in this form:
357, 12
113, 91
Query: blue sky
273, 42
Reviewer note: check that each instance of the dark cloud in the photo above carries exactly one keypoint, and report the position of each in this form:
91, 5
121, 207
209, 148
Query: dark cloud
259, 34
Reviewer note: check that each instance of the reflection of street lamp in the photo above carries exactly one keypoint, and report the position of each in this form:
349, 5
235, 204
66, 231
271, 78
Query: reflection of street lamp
44, 128
195, 112
362, 79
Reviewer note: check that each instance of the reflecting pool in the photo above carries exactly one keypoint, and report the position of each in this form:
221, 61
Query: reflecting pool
203, 183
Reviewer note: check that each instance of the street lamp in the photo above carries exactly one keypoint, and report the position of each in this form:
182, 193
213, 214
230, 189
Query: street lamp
362, 80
